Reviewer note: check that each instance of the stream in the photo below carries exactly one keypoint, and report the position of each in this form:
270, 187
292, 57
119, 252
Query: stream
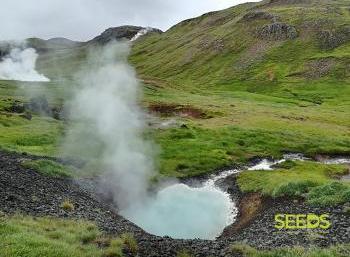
185, 212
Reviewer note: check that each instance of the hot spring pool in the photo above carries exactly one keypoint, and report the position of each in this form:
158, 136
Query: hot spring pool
185, 212
180, 211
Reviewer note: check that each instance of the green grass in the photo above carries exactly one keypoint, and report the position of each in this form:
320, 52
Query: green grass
334, 251
184, 253
37, 136
49, 237
314, 181
329, 194
49, 168
52, 237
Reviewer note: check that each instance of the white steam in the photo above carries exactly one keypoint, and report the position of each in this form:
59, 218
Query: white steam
141, 33
110, 124
19, 64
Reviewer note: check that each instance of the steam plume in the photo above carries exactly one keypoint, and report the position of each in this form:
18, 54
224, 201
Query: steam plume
19, 64
110, 124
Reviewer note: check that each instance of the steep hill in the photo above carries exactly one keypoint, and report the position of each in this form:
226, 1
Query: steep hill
274, 40
264, 77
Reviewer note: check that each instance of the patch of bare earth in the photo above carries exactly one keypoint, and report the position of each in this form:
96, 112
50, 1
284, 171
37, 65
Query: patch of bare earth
168, 110
249, 207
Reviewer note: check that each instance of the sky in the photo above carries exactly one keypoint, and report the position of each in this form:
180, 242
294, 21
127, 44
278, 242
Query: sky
85, 19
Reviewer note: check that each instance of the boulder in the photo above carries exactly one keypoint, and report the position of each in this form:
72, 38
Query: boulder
277, 31
16, 107
330, 39
39, 105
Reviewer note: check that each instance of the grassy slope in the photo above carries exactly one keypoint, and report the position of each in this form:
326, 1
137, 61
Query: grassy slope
51, 237
37, 136
257, 107
316, 182
217, 64
334, 251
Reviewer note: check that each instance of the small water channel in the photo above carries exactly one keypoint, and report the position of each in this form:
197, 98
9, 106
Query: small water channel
184, 212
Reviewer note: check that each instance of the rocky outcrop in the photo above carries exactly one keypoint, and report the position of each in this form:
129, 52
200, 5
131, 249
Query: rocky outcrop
277, 31
118, 33
289, 2
259, 15
5, 49
38, 105
330, 39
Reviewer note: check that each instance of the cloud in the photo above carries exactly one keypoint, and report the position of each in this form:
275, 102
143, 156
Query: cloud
84, 19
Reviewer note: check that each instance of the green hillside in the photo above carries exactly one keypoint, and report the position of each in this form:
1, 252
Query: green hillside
270, 76
270, 41
258, 79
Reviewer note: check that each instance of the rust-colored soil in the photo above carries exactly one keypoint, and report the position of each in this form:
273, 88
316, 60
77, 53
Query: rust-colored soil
249, 207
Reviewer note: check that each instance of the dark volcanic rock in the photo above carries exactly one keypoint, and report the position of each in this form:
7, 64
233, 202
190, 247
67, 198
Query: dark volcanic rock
5, 49
290, 2
118, 33
330, 39
39, 105
16, 107
277, 31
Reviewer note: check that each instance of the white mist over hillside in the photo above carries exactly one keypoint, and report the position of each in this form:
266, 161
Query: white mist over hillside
19, 64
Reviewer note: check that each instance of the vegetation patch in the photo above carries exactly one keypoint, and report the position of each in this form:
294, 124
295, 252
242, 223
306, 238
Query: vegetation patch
49, 168
334, 251
184, 253
311, 180
67, 205
329, 194
52, 237
26, 236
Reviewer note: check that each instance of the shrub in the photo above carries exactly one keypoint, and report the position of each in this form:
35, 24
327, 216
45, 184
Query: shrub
293, 189
346, 210
181, 166
130, 243
114, 249
48, 168
88, 236
288, 164
240, 249
67, 205
184, 253
329, 194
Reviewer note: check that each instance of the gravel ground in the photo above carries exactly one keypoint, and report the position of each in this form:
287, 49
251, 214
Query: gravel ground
25, 191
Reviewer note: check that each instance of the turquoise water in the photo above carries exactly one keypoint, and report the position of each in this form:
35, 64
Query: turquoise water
180, 211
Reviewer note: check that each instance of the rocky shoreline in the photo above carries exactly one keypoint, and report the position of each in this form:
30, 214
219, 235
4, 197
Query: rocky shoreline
25, 191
